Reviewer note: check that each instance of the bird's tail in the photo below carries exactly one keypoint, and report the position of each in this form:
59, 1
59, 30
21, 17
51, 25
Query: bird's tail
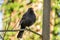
20, 34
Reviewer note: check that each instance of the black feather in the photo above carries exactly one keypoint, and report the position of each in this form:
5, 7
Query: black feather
27, 20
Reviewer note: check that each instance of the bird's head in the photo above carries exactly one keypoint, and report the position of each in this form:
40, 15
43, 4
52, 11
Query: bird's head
30, 10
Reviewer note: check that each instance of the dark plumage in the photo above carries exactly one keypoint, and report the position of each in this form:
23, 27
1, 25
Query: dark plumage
27, 20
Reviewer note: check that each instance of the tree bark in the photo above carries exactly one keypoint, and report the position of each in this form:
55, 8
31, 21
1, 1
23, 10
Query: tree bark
46, 20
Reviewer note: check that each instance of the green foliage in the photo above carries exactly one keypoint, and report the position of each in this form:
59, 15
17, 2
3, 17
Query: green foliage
36, 37
6, 37
17, 7
10, 7
57, 19
33, 37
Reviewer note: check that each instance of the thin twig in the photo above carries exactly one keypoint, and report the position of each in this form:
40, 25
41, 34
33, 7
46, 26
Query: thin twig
8, 25
33, 32
20, 30
10, 30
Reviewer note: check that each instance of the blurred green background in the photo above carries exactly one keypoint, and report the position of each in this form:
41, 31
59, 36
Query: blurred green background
13, 11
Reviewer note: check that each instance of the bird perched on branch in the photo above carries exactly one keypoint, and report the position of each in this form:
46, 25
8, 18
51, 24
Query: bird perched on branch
27, 20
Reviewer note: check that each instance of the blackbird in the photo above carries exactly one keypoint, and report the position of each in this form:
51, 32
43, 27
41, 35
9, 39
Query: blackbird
27, 20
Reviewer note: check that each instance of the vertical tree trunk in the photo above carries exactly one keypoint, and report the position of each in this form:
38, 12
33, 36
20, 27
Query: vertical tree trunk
46, 20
